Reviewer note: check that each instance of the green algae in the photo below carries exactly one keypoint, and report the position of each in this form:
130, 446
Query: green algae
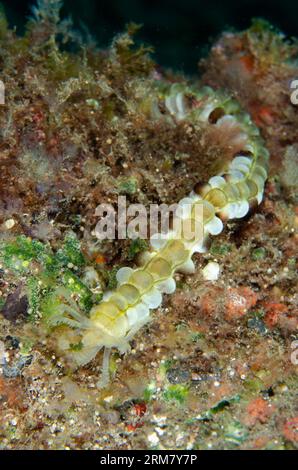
269, 42
45, 271
76, 346
197, 336
149, 391
112, 277
128, 186
70, 253
236, 433
220, 249
34, 293
136, 246
18, 255
258, 254
177, 393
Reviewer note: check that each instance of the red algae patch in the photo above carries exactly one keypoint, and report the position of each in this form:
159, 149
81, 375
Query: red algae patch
274, 311
258, 410
238, 302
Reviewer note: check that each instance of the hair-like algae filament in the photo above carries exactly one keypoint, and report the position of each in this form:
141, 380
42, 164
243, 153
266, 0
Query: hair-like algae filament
228, 195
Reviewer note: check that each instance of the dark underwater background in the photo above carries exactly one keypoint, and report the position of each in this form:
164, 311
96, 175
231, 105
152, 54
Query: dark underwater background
179, 30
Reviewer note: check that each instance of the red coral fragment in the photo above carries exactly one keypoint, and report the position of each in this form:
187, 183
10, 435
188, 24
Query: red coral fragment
274, 311
140, 409
12, 394
248, 62
239, 301
262, 115
134, 427
258, 410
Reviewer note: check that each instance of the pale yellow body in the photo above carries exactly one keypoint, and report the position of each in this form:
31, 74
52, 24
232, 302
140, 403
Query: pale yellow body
125, 310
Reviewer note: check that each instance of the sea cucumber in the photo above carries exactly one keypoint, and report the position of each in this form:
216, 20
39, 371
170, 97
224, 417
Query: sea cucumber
228, 195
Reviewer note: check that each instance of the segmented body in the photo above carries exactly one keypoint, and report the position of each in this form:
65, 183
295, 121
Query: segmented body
228, 195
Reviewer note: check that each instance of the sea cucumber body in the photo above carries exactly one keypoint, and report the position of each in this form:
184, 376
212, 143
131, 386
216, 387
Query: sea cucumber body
228, 195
